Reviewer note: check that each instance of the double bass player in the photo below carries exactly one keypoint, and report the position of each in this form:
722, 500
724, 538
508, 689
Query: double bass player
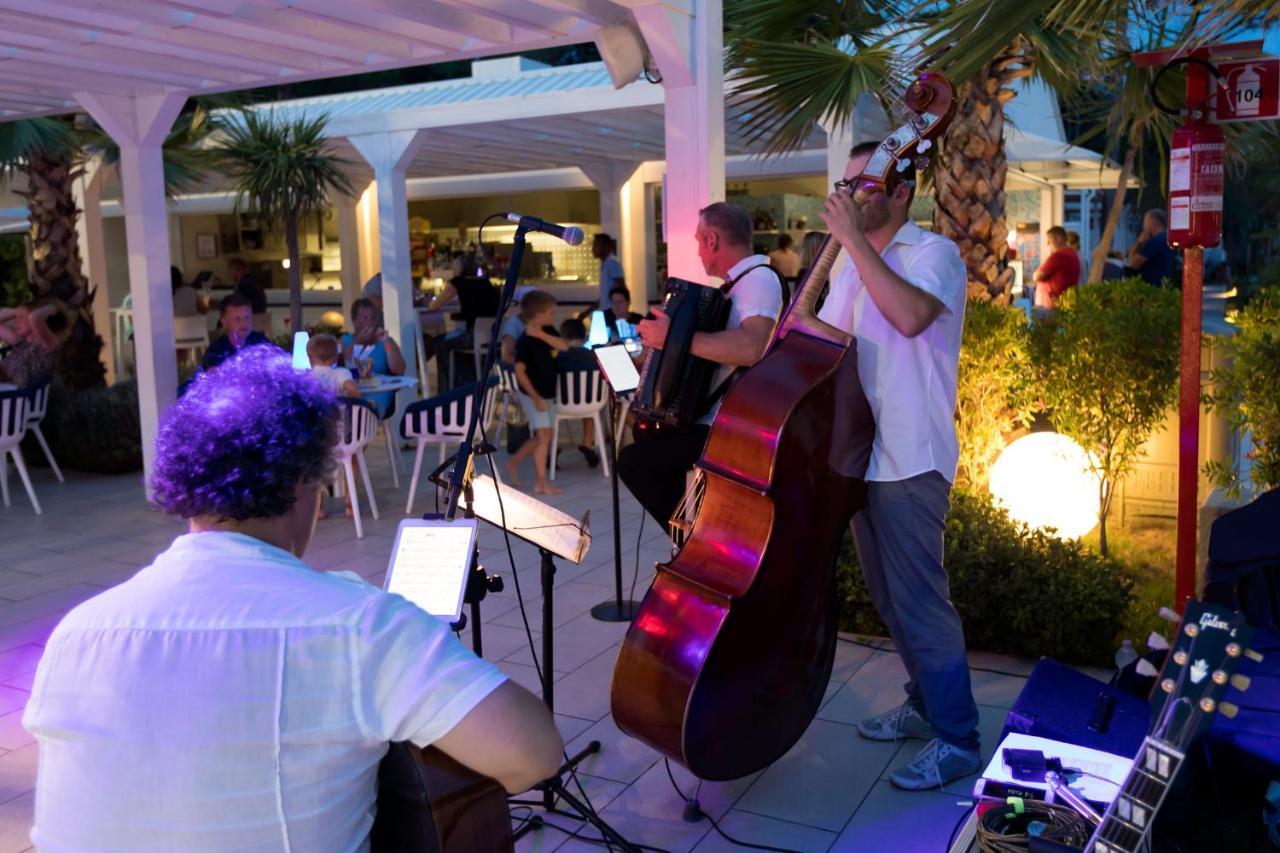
903, 298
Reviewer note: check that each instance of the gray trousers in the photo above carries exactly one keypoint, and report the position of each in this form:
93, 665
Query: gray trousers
899, 542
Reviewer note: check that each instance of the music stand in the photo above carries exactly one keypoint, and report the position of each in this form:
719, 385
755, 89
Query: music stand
554, 534
619, 371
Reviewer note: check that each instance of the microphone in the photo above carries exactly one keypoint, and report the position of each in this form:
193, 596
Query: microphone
572, 234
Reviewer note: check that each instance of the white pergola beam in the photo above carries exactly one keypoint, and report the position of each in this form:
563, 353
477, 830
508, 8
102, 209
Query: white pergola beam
426, 20
669, 33
139, 124
600, 12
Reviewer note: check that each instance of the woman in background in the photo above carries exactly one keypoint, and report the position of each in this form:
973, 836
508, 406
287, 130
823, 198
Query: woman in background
30, 337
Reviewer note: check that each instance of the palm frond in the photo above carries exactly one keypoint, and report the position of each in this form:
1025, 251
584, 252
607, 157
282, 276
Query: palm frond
785, 89
19, 139
188, 157
280, 169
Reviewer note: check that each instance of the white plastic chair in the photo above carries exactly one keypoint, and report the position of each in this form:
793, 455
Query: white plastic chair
359, 425
441, 420
191, 334
13, 426
507, 398
580, 394
480, 337
37, 408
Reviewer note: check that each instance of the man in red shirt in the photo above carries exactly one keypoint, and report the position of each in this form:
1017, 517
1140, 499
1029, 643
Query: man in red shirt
1060, 271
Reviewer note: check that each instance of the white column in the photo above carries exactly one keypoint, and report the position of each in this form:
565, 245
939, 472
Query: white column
689, 52
348, 249
609, 179
389, 153
88, 195
635, 246
139, 124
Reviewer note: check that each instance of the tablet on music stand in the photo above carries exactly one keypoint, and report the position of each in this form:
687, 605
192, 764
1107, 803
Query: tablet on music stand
430, 562
618, 368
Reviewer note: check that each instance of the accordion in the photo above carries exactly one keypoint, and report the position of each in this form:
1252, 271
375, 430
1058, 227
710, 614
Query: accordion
674, 385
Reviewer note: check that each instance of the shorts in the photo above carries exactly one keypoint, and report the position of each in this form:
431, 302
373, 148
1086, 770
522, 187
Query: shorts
537, 420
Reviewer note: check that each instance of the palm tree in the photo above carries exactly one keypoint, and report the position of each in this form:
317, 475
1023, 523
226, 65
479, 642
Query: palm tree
47, 153
283, 171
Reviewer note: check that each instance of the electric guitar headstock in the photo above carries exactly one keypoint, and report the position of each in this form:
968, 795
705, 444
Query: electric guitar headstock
932, 100
1201, 663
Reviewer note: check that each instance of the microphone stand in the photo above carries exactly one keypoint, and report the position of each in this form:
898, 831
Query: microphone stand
552, 789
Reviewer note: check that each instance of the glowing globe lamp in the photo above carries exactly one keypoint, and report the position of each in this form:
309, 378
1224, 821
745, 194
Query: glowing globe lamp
332, 319
1043, 480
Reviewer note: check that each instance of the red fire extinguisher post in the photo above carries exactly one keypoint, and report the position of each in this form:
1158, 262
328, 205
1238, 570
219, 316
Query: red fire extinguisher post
1197, 154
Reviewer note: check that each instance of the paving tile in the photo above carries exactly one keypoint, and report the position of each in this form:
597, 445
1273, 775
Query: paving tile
822, 779
906, 821
17, 772
21, 660
757, 829
16, 817
875, 687
621, 758
12, 734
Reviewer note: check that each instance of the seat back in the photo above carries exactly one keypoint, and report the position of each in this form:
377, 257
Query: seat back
13, 417
580, 392
444, 415
190, 332
359, 424
507, 379
37, 402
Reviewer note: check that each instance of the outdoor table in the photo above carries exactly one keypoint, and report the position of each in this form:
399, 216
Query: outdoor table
380, 383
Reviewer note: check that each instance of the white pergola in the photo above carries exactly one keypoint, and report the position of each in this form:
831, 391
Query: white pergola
131, 64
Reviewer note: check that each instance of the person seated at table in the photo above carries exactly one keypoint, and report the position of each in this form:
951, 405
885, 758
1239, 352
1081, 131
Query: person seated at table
578, 357
31, 336
477, 302
536, 376
236, 317
322, 352
187, 301
230, 696
372, 342
620, 308
247, 286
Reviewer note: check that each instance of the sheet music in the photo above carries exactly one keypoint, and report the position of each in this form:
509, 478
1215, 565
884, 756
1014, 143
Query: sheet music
532, 520
429, 564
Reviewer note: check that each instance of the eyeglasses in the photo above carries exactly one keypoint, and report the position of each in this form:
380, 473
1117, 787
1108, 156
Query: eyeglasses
845, 183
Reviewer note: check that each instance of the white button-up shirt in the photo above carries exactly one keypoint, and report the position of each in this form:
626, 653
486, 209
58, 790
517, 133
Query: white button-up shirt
909, 382
756, 293
228, 697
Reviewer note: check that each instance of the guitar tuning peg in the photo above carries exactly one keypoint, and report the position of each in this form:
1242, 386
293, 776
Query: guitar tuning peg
1169, 615
1157, 643
1145, 668
1241, 682
1256, 657
1228, 709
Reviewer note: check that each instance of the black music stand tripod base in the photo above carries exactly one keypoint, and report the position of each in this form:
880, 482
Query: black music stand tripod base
554, 788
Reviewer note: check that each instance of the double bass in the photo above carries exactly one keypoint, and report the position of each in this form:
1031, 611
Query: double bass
727, 659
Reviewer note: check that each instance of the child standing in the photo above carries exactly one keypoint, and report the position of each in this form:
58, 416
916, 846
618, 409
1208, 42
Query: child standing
536, 376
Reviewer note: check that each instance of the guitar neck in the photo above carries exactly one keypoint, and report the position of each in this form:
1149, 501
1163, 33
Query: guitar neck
1128, 821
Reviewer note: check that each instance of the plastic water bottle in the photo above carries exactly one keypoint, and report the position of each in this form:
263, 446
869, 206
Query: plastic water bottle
1125, 656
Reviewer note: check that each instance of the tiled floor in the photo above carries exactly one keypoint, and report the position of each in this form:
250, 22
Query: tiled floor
829, 793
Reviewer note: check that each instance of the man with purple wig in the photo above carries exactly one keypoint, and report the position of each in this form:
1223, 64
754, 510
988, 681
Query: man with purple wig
228, 696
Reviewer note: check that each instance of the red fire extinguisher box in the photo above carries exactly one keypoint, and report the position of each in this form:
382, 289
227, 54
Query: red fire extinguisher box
1197, 151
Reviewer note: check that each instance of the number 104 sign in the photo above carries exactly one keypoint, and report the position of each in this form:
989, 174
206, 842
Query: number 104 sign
1250, 90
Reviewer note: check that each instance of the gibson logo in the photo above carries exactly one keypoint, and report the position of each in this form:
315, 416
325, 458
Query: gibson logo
1212, 620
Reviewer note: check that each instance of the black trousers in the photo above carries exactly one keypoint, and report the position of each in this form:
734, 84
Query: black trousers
655, 466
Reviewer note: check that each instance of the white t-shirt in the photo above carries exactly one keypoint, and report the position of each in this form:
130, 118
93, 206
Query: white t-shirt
228, 697
909, 382
332, 377
610, 275
756, 294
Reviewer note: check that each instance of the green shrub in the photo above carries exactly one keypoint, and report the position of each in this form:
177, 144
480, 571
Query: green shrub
1107, 369
1247, 390
94, 430
1017, 590
992, 385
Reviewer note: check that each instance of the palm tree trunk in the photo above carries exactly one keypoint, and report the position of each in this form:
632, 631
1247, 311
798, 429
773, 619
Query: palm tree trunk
56, 272
295, 274
1099, 261
969, 180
